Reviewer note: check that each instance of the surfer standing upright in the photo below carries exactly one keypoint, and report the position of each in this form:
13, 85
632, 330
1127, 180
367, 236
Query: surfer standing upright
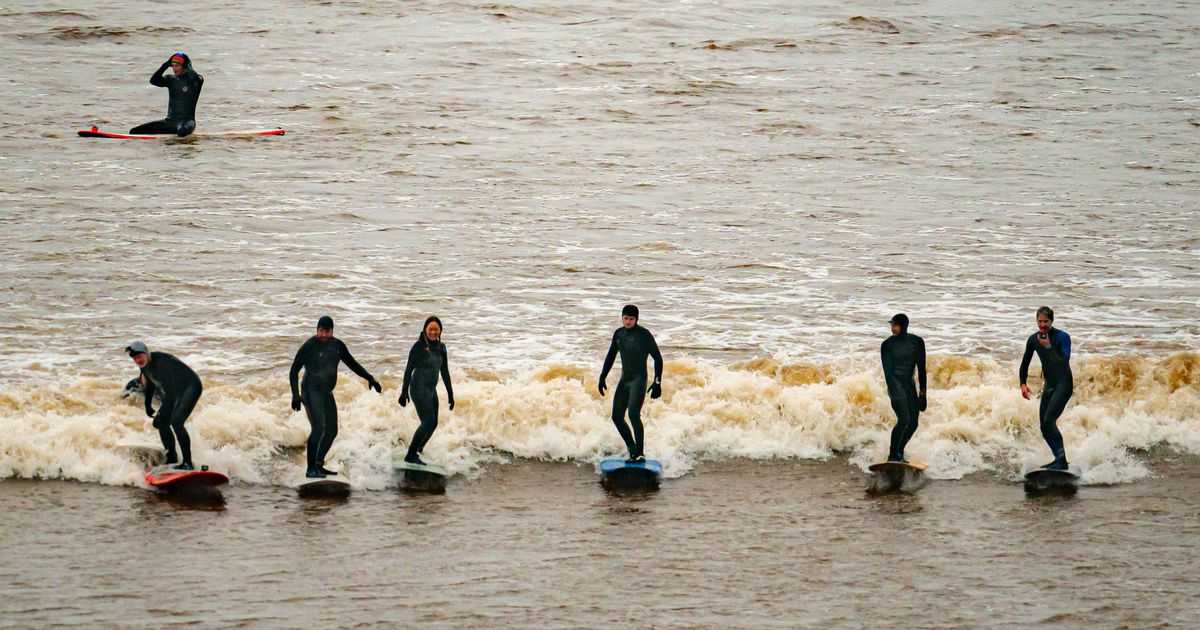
1053, 347
427, 360
902, 353
319, 358
184, 90
634, 343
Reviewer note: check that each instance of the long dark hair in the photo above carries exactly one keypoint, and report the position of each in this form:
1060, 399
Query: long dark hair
425, 326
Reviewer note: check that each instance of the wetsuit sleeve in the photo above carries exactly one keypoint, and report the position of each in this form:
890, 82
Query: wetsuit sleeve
1023, 373
657, 356
1065, 345
196, 92
297, 363
611, 357
921, 363
148, 388
157, 78
348, 359
446, 373
885, 357
410, 368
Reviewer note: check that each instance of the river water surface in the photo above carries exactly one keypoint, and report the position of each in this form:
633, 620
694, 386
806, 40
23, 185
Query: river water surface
769, 181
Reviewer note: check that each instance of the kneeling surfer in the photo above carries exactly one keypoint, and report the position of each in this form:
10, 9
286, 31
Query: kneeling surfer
634, 344
1053, 347
427, 359
319, 358
183, 89
902, 353
180, 388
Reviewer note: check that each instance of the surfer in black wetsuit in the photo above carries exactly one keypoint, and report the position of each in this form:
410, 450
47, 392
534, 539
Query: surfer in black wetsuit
427, 360
319, 358
180, 388
902, 353
1053, 347
634, 343
184, 91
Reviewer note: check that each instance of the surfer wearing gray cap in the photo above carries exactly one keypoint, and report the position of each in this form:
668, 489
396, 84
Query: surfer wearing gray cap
179, 387
634, 344
319, 358
902, 353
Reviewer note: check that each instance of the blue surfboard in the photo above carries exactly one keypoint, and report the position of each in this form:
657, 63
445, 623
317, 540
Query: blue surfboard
620, 474
613, 464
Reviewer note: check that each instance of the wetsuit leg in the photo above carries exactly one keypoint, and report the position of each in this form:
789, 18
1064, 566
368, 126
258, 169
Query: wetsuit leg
904, 403
330, 429
314, 408
164, 430
427, 412
637, 397
1054, 402
183, 409
620, 404
914, 411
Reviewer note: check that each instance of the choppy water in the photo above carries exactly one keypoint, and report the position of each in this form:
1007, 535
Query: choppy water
769, 181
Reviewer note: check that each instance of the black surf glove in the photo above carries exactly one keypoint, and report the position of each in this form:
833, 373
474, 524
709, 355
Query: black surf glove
922, 402
295, 403
403, 400
157, 422
374, 384
603, 387
451, 403
655, 391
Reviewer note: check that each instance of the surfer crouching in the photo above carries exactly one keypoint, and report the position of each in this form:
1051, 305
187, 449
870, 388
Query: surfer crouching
180, 388
184, 90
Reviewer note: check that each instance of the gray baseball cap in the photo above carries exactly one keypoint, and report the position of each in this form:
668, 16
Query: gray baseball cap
136, 347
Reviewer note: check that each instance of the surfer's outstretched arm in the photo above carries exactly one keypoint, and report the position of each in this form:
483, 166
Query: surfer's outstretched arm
348, 359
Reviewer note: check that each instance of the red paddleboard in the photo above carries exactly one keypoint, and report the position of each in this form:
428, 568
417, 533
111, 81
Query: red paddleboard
167, 478
253, 133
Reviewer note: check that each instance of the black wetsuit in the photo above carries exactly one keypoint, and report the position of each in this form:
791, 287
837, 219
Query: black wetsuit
180, 388
184, 91
902, 354
426, 361
1059, 385
634, 345
320, 359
